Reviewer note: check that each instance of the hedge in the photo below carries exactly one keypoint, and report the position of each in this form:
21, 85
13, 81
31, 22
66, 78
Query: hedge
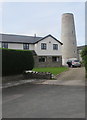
16, 61
84, 57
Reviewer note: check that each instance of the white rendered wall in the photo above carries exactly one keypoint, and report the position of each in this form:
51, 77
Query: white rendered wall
49, 51
18, 46
31, 46
15, 46
68, 38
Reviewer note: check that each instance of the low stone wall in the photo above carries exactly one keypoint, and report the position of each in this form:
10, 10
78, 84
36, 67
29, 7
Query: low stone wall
37, 75
27, 75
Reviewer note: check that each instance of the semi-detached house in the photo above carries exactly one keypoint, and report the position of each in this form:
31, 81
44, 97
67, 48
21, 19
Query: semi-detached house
46, 50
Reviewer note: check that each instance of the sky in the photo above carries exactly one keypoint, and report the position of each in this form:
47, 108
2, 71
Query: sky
41, 18
85, 23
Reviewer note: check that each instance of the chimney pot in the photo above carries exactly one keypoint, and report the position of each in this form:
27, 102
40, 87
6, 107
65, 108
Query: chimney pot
34, 35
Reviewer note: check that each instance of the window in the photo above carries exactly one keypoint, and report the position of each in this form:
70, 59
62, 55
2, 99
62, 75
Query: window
55, 59
26, 46
4, 45
42, 59
55, 46
43, 46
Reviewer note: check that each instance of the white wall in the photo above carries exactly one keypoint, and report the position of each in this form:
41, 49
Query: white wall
15, 46
31, 46
37, 47
49, 50
18, 46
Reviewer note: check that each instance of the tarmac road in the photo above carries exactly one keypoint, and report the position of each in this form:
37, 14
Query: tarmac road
45, 101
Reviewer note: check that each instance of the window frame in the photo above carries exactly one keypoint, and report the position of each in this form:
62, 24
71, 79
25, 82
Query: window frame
4, 45
41, 59
57, 59
43, 46
25, 46
55, 46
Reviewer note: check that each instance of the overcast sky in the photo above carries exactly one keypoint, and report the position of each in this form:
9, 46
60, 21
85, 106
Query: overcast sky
29, 18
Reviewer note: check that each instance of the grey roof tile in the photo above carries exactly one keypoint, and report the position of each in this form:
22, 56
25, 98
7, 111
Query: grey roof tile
18, 38
23, 39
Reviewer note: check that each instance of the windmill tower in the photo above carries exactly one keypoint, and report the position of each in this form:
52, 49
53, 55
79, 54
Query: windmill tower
68, 37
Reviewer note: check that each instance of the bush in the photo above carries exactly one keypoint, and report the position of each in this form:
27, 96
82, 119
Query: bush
16, 61
84, 57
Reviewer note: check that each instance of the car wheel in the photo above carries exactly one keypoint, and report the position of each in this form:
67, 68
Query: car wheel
72, 66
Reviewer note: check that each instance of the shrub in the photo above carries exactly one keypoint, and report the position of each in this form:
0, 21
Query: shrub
84, 57
16, 61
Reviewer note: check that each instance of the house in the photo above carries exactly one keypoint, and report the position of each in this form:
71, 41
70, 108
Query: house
47, 50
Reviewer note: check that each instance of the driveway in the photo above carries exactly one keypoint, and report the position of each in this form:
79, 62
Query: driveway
74, 76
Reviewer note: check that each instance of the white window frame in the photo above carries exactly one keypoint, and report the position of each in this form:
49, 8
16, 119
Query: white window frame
4, 45
55, 46
43, 46
25, 46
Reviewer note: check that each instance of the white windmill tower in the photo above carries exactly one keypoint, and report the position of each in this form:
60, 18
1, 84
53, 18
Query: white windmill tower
68, 38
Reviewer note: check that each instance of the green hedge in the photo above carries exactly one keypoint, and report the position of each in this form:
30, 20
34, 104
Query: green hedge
16, 61
84, 57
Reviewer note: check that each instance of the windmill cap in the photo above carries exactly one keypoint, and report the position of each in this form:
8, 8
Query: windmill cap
67, 14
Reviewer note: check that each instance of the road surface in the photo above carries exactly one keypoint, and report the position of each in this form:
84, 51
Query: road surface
45, 101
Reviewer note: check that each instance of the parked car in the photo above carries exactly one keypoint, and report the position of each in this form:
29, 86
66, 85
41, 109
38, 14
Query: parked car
74, 63
69, 62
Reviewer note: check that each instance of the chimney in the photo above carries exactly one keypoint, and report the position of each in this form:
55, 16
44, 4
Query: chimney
35, 35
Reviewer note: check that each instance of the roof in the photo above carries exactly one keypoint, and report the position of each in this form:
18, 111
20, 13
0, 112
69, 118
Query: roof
80, 47
18, 38
23, 39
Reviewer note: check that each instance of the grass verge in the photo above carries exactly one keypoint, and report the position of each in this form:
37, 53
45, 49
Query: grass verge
53, 70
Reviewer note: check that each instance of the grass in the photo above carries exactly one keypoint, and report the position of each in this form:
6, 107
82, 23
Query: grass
53, 70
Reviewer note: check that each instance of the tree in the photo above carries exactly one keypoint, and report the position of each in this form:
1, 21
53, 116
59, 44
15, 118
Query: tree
84, 57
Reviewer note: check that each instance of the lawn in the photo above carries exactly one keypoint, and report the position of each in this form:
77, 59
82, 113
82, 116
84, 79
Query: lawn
53, 70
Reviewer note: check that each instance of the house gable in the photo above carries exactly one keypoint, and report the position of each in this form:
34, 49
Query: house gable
49, 36
48, 46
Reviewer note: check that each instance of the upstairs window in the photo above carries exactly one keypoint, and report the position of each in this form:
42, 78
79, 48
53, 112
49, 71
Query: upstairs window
26, 46
55, 46
43, 46
4, 45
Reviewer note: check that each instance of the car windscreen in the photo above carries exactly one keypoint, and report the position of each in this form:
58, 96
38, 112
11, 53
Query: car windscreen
76, 60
